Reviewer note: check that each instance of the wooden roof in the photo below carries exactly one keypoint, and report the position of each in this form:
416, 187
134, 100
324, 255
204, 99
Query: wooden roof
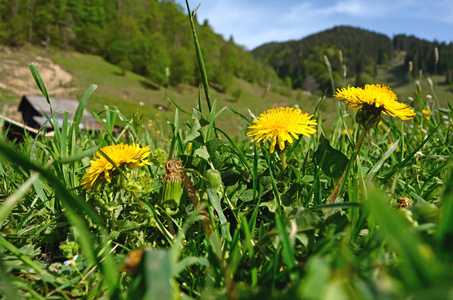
37, 108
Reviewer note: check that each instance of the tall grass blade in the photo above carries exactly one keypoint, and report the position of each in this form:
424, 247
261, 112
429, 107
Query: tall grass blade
203, 73
445, 226
418, 266
378, 165
40, 84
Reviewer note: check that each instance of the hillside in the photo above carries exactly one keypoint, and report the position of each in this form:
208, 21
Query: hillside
357, 56
150, 38
361, 51
68, 74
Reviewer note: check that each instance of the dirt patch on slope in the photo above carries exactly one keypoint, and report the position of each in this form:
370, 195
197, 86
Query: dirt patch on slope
15, 76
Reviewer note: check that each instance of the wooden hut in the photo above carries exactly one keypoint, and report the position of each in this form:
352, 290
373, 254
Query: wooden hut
36, 111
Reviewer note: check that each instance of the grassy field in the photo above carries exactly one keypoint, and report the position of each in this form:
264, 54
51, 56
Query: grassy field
199, 211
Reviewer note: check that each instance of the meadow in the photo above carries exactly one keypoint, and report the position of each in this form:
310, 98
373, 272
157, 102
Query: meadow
359, 209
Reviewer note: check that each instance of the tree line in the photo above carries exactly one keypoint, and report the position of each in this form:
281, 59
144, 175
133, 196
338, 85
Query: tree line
431, 57
149, 37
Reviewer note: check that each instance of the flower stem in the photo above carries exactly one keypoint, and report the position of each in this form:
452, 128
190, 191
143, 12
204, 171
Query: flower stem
283, 158
339, 184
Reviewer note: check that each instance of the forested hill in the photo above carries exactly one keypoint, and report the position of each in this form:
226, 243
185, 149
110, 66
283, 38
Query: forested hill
353, 53
425, 57
304, 64
149, 37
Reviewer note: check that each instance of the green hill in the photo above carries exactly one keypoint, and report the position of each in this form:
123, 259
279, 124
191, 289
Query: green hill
131, 92
357, 56
150, 38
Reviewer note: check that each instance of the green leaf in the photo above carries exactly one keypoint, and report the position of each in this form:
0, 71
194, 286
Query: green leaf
313, 285
334, 161
202, 152
445, 227
215, 202
188, 261
40, 83
377, 166
89, 152
214, 144
153, 279
418, 264
287, 252
77, 117
409, 156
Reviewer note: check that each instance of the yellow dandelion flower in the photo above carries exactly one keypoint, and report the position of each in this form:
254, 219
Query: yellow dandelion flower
426, 111
346, 132
427, 118
281, 125
375, 99
121, 155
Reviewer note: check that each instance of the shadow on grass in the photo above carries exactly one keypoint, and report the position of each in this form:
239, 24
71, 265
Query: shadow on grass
399, 76
149, 85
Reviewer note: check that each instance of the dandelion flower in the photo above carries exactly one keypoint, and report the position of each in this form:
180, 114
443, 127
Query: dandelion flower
281, 125
121, 155
426, 111
375, 99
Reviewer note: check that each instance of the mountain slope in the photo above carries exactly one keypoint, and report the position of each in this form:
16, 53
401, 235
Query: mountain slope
361, 51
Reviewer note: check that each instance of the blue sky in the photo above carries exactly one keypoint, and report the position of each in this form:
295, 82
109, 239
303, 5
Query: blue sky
255, 22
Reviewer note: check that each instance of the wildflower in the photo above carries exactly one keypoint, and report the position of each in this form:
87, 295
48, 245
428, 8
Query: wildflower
281, 125
345, 132
371, 101
121, 155
158, 132
72, 262
427, 118
426, 111
418, 155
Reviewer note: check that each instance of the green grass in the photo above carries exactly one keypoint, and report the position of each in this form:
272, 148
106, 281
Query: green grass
266, 233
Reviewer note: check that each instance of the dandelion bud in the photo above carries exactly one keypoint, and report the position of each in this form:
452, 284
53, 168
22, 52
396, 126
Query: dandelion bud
368, 116
411, 66
436, 55
326, 60
214, 178
430, 82
419, 86
171, 187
